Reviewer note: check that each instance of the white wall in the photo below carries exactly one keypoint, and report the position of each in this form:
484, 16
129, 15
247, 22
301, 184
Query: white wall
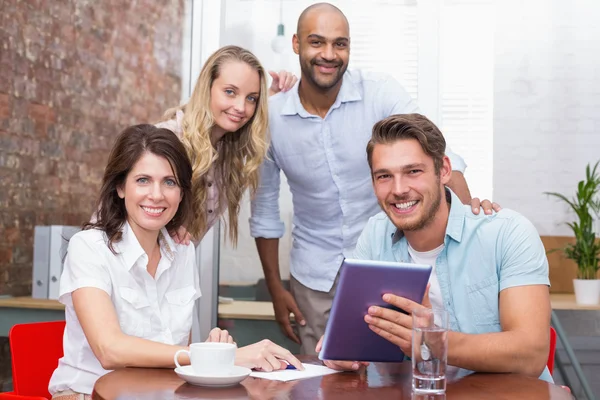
546, 104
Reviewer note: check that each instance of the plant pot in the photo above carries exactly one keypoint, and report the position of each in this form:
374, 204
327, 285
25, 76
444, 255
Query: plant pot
587, 291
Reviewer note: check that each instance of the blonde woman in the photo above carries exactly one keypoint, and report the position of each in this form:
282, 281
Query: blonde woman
224, 130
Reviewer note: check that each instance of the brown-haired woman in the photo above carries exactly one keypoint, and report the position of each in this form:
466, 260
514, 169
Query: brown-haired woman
128, 289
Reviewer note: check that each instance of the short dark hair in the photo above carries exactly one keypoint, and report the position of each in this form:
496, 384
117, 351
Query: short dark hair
129, 147
409, 126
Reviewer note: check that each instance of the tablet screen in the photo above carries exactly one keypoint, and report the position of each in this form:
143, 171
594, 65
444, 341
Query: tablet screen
362, 284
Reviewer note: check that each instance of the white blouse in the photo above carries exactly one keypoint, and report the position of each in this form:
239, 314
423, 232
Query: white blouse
158, 309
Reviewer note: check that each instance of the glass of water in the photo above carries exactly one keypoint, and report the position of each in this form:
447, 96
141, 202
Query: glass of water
429, 350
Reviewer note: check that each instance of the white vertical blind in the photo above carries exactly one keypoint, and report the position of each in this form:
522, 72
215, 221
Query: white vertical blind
466, 87
384, 38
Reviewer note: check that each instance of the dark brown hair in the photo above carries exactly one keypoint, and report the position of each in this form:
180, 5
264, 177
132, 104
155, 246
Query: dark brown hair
409, 126
129, 147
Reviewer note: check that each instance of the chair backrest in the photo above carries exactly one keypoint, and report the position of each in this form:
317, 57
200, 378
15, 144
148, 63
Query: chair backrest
35, 349
552, 350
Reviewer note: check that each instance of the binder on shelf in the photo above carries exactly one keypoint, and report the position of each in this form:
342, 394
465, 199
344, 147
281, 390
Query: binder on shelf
50, 248
41, 255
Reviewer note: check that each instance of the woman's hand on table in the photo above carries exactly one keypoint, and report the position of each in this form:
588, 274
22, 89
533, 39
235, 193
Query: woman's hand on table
266, 356
220, 336
340, 365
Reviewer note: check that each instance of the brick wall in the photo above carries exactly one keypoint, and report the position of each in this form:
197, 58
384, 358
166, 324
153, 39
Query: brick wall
74, 74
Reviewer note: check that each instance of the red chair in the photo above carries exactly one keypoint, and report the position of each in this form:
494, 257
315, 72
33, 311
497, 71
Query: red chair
552, 350
35, 349
551, 354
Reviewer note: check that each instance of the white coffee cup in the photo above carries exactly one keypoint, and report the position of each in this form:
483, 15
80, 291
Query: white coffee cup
210, 358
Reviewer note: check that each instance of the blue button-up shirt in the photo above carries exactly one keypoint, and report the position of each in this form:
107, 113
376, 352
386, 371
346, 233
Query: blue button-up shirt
482, 255
325, 163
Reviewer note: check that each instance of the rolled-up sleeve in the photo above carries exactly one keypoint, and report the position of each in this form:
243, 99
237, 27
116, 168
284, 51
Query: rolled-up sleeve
524, 259
396, 100
265, 220
190, 265
84, 267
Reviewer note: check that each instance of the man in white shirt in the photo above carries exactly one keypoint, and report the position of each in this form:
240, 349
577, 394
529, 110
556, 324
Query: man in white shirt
319, 130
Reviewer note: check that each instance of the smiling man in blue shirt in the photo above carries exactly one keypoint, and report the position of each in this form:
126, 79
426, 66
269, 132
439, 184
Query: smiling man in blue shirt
490, 271
319, 130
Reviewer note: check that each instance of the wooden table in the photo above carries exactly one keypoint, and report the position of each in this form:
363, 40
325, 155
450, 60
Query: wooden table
15, 310
379, 381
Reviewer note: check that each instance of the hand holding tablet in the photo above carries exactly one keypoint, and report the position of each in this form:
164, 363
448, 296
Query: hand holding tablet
395, 328
361, 287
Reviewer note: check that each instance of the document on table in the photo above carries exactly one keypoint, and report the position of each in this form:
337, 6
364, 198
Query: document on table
286, 375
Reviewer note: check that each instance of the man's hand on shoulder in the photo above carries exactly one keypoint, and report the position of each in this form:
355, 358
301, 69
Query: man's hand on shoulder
486, 204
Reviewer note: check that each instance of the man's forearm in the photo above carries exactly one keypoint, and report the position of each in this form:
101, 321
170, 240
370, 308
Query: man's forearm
509, 351
268, 251
459, 186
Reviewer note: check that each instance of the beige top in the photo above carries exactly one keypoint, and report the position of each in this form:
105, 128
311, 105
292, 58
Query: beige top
212, 200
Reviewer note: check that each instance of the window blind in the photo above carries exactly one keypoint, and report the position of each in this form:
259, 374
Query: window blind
466, 86
384, 38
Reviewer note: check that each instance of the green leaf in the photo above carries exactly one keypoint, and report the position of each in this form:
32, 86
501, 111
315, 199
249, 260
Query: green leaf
586, 250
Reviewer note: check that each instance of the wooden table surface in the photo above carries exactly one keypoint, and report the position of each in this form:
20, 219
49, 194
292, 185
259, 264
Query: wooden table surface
379, 381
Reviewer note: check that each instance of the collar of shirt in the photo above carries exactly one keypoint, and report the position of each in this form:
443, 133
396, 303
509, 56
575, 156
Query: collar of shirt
348, 92
131, 250
456, 220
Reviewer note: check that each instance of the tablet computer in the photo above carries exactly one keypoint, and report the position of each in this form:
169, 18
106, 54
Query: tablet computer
362, 284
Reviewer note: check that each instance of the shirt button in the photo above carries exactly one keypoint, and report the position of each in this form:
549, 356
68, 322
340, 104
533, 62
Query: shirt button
210, 211
209, 184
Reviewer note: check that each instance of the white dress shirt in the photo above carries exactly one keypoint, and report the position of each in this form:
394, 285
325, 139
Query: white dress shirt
325, 163
158, 308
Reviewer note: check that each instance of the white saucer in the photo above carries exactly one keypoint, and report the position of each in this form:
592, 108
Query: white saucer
235, 376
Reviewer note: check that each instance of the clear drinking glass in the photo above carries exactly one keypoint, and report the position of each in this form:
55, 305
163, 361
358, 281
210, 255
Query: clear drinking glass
429, 350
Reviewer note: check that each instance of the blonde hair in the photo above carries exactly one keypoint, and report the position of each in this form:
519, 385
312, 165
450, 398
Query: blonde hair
237, 156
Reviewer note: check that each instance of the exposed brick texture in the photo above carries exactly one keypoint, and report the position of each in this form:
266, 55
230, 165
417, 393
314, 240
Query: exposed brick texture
73, 74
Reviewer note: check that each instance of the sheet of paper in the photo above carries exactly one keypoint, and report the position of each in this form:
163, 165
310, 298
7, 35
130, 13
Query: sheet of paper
286, 375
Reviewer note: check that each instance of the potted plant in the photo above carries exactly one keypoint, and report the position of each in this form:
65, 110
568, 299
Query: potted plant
586, 249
